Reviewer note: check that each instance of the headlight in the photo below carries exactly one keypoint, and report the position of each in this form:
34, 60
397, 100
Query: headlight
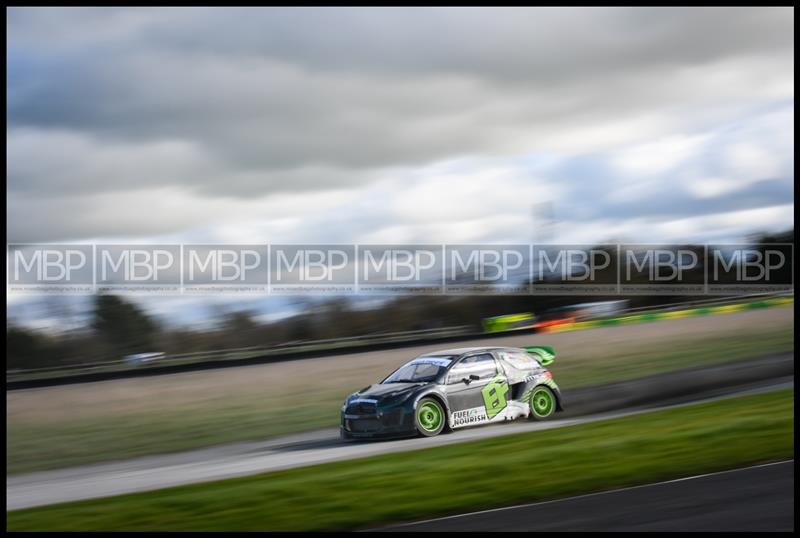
347, 402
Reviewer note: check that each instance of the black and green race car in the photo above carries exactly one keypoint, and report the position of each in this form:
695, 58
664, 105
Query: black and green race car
452, 389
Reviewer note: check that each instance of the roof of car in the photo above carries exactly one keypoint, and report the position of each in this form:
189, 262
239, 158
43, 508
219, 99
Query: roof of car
461, 351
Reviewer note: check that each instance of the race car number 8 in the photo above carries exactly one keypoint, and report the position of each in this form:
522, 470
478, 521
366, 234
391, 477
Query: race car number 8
494, 396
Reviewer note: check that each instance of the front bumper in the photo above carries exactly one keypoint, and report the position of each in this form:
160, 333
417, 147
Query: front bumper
394, 422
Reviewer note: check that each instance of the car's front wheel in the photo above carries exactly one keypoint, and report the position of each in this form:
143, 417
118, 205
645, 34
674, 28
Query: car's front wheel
543, 403
429, 417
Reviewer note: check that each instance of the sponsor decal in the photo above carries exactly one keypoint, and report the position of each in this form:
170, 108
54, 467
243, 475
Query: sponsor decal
494, 396
436, 361
466, 417
540, 379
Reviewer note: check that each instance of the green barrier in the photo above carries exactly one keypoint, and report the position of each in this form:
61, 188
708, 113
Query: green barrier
508, 322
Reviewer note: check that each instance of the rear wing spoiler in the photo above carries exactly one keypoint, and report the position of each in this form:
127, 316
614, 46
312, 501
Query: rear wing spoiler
546, 354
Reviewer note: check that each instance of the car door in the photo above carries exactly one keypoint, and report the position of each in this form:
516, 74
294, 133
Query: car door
468, 385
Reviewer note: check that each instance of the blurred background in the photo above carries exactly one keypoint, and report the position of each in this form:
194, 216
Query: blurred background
372, 126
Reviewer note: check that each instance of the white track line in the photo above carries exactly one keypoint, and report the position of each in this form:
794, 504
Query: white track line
586, 495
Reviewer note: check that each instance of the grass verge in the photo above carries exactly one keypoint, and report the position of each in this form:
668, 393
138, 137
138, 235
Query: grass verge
476, 475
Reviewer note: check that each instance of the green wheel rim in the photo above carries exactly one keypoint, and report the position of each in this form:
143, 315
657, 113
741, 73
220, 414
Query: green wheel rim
430, 416
542, 402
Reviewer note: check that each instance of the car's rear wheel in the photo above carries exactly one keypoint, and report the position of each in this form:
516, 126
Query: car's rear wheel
429, 417
543, 403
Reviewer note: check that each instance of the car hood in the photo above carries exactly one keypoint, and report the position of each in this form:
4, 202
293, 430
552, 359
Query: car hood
383, 391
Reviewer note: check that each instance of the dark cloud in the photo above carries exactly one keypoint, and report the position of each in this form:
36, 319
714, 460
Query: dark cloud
243, 104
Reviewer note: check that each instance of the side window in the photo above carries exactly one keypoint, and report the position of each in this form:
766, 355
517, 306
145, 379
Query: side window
520, 360
457, 373
484, 366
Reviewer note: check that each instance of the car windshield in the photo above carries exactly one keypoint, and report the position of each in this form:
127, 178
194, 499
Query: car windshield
420, 370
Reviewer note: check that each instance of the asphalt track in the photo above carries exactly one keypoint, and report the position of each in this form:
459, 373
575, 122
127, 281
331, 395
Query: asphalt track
758, 498
242, 459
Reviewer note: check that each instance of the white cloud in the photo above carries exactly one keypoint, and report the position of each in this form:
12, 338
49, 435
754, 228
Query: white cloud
751, 161
659, 156
729, 226
711, 187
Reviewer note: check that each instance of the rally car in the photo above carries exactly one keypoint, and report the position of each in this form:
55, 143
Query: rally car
454, 388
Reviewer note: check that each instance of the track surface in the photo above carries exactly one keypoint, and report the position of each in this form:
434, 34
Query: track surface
759, 498
156, 472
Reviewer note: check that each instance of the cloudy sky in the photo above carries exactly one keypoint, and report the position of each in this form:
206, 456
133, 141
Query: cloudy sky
398, 125
377, 125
